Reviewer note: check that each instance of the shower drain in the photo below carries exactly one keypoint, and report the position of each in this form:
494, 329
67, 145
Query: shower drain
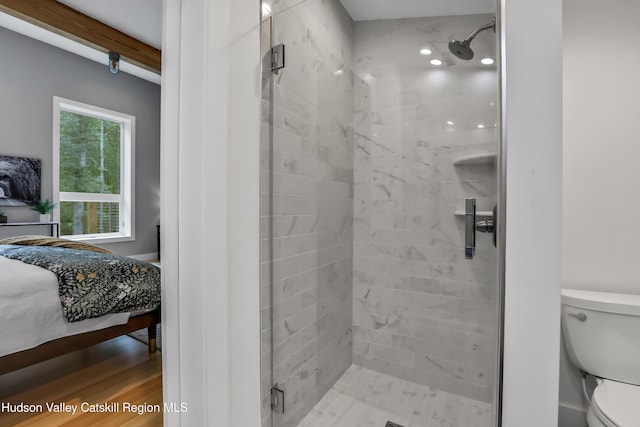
392, 424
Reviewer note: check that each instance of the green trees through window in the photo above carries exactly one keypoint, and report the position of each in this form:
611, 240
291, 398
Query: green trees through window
89, 154
89, 163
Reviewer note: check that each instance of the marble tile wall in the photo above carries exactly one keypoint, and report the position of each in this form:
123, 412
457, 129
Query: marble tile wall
421, 311
308, 188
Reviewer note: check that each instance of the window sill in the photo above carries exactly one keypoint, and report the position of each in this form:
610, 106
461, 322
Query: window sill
100, 239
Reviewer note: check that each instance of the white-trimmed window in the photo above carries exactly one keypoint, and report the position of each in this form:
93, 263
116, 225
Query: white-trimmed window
93, 158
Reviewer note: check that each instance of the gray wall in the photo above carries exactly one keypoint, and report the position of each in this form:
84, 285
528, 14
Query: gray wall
31, 74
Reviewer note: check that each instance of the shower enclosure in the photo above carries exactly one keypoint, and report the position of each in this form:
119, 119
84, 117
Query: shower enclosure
380, 148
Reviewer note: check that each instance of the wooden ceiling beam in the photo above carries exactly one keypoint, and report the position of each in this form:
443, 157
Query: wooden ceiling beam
68, 22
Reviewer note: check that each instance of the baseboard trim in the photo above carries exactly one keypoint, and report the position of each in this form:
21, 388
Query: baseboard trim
145, 257
570, 416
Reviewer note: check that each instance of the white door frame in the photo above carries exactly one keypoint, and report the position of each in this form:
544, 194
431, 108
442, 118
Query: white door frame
532, 127
210, 211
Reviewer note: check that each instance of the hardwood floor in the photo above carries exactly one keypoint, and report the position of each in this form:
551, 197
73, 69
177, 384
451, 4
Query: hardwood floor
116, 374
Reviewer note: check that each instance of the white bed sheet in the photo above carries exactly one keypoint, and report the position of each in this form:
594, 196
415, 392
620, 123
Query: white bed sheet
30, 310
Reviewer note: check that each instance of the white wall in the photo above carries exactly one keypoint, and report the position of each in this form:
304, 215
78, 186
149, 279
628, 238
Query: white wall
600, 156
532, 123
601, 145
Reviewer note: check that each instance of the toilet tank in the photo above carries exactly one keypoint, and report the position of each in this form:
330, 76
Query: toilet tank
602, 333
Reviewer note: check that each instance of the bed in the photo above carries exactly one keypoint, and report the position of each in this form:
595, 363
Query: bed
58, 296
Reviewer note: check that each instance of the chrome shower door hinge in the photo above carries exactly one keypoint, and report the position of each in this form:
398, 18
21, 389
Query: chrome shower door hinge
277, 58
277, 400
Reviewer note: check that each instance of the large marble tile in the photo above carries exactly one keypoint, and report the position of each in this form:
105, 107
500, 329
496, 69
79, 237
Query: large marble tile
307, 176
421, 310
367, 260
364, 397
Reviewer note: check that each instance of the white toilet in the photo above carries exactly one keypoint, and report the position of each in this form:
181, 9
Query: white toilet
602, 334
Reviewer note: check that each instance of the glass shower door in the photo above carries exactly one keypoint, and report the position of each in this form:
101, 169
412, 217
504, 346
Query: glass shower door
374, 136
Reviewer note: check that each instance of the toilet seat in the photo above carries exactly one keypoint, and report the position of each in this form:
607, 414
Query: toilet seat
615, 404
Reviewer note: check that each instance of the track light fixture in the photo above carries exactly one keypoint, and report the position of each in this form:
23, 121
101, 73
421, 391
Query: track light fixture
114, 62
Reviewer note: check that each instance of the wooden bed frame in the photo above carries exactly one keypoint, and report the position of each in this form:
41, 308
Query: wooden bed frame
64, 345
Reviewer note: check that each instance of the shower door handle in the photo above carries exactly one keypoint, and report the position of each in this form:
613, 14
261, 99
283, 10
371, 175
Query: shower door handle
469, 228
487, 225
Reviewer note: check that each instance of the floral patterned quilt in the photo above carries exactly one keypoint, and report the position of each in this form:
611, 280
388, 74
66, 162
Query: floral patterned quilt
91, 284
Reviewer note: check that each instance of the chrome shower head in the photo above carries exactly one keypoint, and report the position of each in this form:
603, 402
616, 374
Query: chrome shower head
462, 49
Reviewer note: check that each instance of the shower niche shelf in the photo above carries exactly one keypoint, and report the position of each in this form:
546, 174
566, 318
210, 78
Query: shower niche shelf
484, 214
475, 159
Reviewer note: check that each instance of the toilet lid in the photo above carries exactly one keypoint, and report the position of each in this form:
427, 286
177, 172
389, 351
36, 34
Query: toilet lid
619, 402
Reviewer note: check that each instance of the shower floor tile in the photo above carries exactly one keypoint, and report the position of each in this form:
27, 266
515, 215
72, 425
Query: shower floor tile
366, 398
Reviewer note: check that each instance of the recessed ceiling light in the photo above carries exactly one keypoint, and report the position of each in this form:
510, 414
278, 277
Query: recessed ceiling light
487, 61
436, 62
425, 51
449, 122
480, 126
